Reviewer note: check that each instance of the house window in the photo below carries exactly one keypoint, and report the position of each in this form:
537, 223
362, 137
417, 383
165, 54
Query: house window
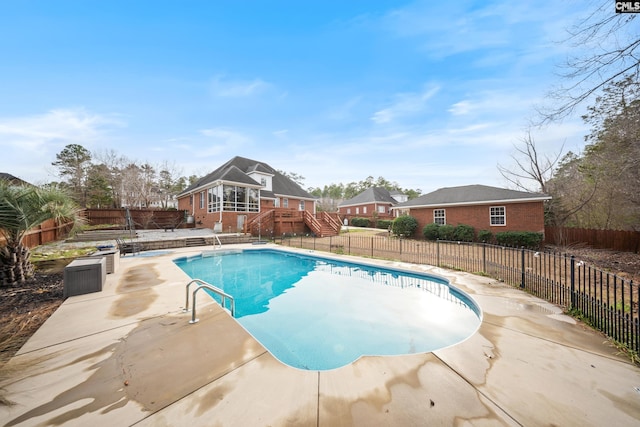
497, 215
214, 200
439, 217
240, 199
357, 211
285, 202
348, 211
364, 209
202, 200
263, 181
191, 200
301, 205
277, 202
381, 209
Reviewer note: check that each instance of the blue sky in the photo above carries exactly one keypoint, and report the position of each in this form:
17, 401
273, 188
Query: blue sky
426, 94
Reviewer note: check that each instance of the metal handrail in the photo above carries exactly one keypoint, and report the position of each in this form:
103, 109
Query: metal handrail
218, 291
218, 239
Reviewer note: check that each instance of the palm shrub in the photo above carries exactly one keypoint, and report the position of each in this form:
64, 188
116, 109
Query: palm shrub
22, 208
464, 233
430, 231
404, 225
446, 232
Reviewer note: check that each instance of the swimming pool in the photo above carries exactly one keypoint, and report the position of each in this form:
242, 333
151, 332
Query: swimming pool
317, 313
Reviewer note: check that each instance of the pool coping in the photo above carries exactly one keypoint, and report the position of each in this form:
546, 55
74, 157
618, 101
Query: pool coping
128, 356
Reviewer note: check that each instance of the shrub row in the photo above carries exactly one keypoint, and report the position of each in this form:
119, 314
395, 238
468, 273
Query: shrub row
384, 224
466, 233
528, 239
360, 222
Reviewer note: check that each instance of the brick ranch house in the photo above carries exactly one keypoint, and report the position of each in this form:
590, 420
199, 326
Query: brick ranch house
374, 202
480, 206
249, 196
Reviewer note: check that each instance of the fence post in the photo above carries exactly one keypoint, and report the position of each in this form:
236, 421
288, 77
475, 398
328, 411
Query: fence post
522, 267
371, 246
330, 237
438, 252
484, 257
573, 281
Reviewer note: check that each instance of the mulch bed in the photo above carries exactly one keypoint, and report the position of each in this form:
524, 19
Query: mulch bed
24, 308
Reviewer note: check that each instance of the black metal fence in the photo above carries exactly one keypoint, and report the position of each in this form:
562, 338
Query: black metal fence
607, 301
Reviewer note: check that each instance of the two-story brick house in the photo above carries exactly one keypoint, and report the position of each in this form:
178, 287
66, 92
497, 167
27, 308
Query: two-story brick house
372, 202
242, 190
480, 206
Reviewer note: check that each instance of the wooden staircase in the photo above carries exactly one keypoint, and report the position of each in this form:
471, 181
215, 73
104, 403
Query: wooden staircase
323, 225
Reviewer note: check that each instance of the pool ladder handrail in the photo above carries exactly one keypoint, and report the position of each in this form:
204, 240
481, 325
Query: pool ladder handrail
218, 239
214, 289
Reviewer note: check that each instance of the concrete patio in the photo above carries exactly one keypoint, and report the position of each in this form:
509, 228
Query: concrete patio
128, 356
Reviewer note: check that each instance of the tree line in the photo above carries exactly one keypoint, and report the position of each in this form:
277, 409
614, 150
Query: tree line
109, 180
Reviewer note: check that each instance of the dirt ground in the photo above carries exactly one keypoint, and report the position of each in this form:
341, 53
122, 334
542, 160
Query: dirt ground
24, 308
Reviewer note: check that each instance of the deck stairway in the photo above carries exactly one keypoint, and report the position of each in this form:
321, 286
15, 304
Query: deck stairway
323, 225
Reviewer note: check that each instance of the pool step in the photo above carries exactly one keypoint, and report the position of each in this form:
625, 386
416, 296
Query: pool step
195, 241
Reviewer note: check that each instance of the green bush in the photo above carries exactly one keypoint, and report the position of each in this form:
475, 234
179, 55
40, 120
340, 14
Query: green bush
430, 231
528, 239
404, 225
360, 222
485, 236
384, 224
464, 233
447, 232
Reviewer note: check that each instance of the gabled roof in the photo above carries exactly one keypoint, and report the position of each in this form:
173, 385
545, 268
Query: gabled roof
237, 169
12, 179
471, 195
368, 196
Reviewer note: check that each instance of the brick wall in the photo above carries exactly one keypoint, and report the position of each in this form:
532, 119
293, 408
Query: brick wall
527, 216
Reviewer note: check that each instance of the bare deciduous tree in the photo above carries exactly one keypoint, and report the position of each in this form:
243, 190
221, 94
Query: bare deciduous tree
530, 166
607, 46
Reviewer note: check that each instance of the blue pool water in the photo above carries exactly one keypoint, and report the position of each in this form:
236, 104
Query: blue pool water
317, 313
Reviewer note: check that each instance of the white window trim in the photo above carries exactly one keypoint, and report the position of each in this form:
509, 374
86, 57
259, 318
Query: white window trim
444, 216
503, 216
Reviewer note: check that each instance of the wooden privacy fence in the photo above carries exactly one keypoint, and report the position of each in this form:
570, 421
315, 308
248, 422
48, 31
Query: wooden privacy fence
48, 231
142, 218
617, 240
607, 301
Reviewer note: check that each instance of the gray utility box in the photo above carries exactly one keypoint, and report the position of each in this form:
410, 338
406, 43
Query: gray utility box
113, 259
84, 276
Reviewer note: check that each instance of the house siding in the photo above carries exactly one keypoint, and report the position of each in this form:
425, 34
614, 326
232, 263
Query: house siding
526, 216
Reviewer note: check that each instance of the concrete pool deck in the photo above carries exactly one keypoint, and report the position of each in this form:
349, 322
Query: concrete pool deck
128, 356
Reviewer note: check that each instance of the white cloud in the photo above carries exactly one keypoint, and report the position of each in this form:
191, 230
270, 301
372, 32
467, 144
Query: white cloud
55, 128
405, 104
228, 88
460, 108
221, 140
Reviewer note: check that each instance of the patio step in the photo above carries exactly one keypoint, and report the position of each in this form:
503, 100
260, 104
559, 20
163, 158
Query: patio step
195, 241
